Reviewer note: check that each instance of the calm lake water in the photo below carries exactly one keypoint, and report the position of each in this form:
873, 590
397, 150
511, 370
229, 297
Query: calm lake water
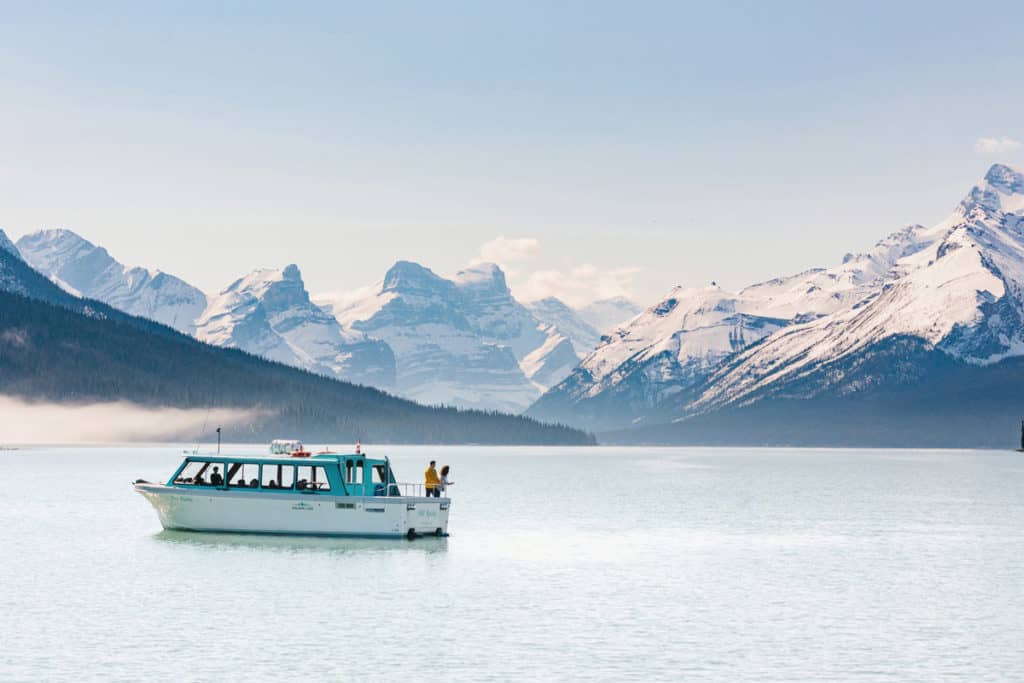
640, 564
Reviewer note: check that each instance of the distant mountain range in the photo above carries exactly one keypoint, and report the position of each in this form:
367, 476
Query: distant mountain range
57, 346
927, 313
918, 341
464, 342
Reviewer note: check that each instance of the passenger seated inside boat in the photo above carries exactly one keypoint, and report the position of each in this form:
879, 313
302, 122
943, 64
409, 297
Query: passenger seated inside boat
254, 483
240, 482
215, 478
272, 484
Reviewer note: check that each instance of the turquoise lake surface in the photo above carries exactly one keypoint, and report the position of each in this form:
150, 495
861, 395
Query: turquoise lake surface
562, 564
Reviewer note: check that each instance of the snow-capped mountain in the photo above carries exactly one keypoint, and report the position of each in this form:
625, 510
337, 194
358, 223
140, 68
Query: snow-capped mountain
607, 314
581, 334
464, 341
959, 290
82, 268
955, 287
269, 313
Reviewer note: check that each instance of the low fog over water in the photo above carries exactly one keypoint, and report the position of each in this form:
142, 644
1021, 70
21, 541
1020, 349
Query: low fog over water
25, 422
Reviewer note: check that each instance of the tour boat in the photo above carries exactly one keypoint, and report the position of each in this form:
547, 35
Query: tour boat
326, 494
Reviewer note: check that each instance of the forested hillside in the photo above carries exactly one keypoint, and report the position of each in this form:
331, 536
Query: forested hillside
56, 347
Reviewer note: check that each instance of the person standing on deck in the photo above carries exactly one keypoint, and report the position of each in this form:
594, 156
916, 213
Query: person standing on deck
445, 483
431, 482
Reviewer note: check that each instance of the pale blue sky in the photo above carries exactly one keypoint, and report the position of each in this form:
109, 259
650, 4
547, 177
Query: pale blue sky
660, 143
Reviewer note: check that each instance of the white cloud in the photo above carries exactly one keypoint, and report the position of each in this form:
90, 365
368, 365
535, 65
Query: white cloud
505, 250
579, 285
992, 146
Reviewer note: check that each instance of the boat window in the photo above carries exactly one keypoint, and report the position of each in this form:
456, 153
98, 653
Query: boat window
189, 474
214, 474
278, 476
244, 475
354, 471
311, 478
377, 475
320, 479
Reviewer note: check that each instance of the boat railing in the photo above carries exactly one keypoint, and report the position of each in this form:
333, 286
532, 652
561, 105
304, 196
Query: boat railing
408, 488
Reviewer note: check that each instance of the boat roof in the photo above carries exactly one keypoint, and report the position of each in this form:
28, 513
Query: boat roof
320, 458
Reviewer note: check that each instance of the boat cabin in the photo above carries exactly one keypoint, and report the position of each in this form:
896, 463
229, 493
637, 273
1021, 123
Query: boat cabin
333, 474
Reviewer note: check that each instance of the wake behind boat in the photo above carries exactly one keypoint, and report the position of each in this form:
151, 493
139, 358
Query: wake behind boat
326, 494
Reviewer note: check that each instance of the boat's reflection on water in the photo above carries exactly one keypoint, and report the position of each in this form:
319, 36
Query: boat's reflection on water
303, 544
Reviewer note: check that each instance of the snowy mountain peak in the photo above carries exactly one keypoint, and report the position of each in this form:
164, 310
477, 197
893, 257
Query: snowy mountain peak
482, 276
268, 312
1005, 179
410, 277
1001, 191
279, 289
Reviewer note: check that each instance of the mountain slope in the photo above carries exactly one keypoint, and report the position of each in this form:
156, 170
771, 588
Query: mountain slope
569, 323
960, 293
953, 290
57, 347
7, 245
269, 313
926, 399
83, 268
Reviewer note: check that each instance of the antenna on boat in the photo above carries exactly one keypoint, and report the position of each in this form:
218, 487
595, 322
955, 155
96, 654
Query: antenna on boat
218, 440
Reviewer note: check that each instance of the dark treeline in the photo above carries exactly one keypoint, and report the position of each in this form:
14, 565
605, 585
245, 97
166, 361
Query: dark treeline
74, 351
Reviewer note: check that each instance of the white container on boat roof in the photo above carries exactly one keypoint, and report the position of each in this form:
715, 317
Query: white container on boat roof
285, 446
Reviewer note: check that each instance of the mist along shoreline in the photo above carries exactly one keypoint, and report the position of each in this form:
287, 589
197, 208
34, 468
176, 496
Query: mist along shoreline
596, 450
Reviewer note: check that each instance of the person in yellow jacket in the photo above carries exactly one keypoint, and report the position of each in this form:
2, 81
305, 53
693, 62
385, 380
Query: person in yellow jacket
432, 482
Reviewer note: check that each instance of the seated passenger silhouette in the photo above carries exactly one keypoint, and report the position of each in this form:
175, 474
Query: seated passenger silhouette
215, 478
254, 483
240, 482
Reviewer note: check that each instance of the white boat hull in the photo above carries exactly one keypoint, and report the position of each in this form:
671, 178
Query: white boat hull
254, 512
